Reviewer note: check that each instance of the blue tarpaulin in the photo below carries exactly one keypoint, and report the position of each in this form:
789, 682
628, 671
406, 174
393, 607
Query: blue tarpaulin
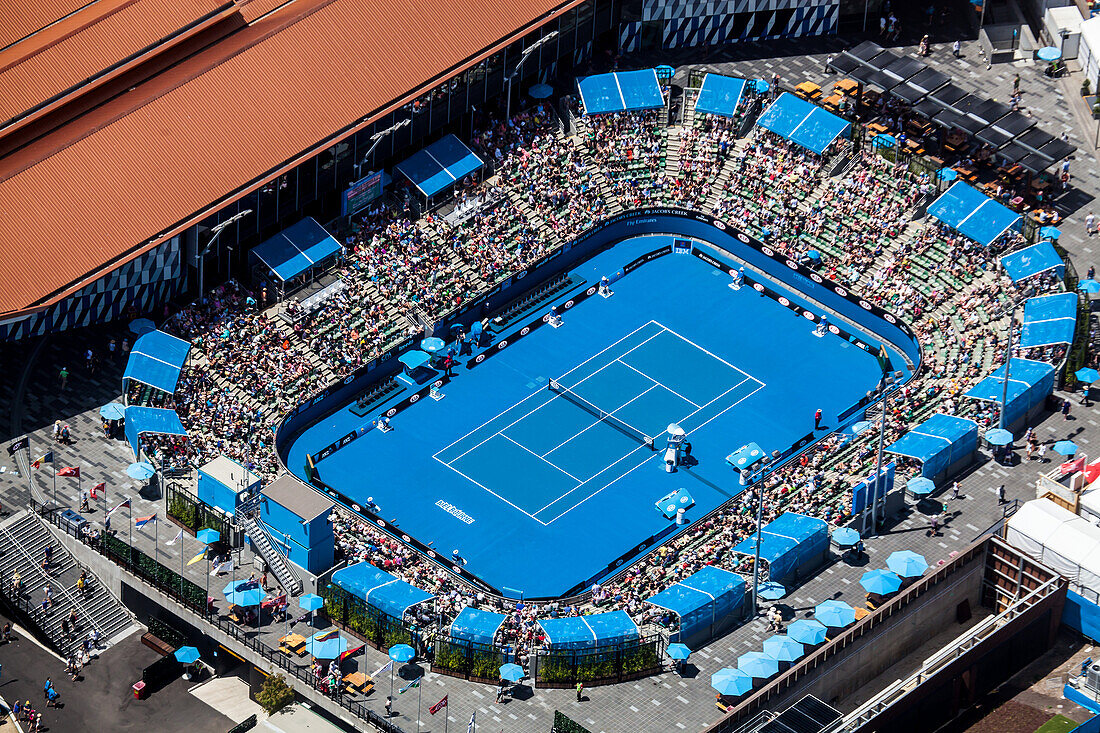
589, 632
802, 122
1033, 260
296, 249
1029, 384
379, 589
440, 165
938, 443
719, 95
789, 543
973, 214
1049, 319
477, 626
702, 600
156, 360
621, 91
142, 420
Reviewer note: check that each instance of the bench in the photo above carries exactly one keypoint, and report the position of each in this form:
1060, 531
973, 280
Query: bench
161, 647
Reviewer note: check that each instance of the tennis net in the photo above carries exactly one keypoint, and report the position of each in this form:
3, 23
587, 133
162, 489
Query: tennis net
602, 415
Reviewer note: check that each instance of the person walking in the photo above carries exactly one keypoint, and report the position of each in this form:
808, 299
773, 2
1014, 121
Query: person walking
956, 48
955, 491
935, 524
580, 691
389, 706
1042, 453
1001, 494
63, 375
1065, 409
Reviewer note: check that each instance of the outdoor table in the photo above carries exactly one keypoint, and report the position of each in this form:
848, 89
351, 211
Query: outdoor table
832, 103
862, 613
808, 90
358, 682
1040, 185
293, 644
876, 129
847, 86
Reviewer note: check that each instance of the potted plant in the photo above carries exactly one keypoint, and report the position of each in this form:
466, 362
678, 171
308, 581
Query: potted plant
1086, 88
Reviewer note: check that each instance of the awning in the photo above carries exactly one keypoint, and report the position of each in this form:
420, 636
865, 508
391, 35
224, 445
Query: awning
621, 91
702, 599
379, 589
788, 542
587, 632
296, 249
973, 214
156, 360
719, 95
150, 420
440, 165
1031, 261
803, 123
938, 443
1049, 319
477, 626
1029, 384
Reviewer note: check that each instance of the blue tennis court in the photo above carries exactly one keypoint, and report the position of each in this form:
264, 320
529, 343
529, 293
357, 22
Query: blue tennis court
536, 464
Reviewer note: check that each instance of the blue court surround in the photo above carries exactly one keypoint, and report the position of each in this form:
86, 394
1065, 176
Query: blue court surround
541, 498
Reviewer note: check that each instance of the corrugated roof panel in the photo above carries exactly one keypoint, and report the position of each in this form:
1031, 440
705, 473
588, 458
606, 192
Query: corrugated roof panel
20, 19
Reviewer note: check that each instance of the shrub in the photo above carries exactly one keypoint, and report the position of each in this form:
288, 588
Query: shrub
275, 694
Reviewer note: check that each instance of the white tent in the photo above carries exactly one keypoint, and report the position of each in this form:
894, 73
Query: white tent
1059, 538
1035, 522
1088, 51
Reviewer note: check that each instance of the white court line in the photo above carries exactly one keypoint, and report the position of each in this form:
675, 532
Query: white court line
544, 404
656, 383
559, 445
536, 455
538, 392
476, 483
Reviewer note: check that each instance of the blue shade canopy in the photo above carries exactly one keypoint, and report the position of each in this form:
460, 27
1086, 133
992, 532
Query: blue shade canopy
807, 631
771, 591
678, 652
702, 599
621, 91
187, 655
326, 645
379, 589
761, 86
112, 411
783, 648
880, 581
787, 543
1087, 374
998, 436
586, 632
311, 602
208, 536
440, 165
511, 672
414, 358
1029, 385
402, 653
835, 614
907, 563
938, 442
1088, 286
758, 664
973, 214
1065, 447
156, 360
475, 625
296, 249
140, 326
803, 123
141, 471
1050, 232
1031, 261
150, 421
846, 536
732, 682
920, 485
1049, 319
719, 95
884, 141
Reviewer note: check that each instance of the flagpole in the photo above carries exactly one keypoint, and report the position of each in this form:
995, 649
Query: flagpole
419, 692
156, 542
130, 527
53, 470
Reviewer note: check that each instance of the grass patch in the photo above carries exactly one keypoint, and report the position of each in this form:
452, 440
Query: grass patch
1057, 724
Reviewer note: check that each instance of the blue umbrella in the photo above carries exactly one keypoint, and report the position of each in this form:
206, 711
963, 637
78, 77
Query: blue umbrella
512, 672
679, 652
1050, 232
846, 537
998, 436
141, 471
730, 681
761, 86
807, 631
1088, 286
884, 141
208, 536
187, 655
141, 326
432, 344
112, 411
880, 581
244, 593
758, 664
311, 602
327, 644
836, 614
783, 648
907, 563
771, 591
665, 69
1065, 447
947, 174
541, 91
1085, 374
1048, 53
920, 485
402, 653
813, 254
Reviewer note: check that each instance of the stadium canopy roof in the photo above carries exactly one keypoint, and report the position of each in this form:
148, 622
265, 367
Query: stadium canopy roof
476, 626
156, 360
1031, 261
586, 632
620, 91
788, 542
1049, 319
803, 123
144, 420
296, 249
702, 599
1029, 384
719, 95
440, 165
103, 188
973, 214
938, 442
379, 589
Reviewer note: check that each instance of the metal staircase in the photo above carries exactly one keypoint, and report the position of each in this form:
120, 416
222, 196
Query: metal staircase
23, 542
262, 543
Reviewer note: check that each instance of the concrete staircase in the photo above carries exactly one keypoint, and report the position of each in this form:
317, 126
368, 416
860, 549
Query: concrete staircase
23, 542
276, 561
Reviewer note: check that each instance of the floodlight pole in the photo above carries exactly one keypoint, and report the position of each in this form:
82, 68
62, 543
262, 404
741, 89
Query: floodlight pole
217, 229
1008, 367
756, 479
523, 57
887, 382
377, 138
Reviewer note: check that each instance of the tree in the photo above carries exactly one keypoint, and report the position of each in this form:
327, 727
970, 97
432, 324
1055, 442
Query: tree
275, 694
